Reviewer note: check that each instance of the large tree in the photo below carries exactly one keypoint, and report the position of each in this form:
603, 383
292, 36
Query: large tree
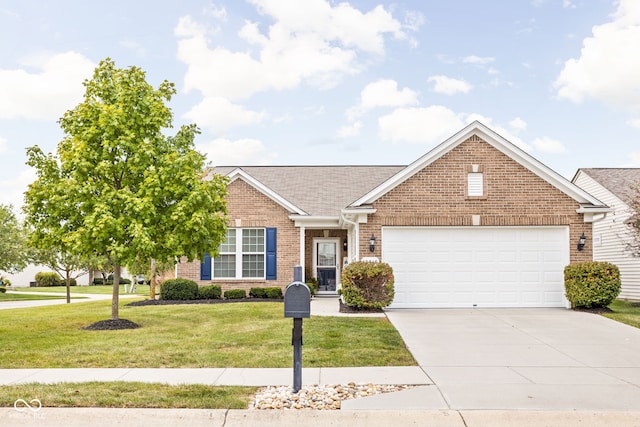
118, 187
13, 251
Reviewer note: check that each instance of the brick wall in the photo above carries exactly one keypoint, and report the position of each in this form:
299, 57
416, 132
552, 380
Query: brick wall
248, 207
513, 196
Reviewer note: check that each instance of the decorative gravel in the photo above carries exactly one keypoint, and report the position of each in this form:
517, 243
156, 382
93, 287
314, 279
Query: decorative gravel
326, 397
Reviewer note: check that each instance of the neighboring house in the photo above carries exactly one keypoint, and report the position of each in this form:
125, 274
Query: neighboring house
611, 236
475, 222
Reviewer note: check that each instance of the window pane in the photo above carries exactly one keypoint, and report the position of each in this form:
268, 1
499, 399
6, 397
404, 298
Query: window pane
326, 254
252, 265
224, 266
253, 240
229, 244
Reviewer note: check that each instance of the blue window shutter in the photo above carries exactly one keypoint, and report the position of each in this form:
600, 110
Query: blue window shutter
272, 252
205, 268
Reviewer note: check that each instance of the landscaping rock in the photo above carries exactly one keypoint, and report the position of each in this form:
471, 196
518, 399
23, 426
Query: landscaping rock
326, 397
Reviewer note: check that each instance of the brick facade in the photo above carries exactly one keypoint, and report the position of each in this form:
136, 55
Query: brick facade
513, 196
248, 207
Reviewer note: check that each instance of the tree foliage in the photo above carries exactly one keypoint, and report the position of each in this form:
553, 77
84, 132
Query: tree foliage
118, 187
13, 250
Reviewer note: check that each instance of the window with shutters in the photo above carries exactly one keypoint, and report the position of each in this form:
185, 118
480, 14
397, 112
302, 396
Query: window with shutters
242, 255
475, 184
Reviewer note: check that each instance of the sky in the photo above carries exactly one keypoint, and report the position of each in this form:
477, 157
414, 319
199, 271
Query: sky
319, 82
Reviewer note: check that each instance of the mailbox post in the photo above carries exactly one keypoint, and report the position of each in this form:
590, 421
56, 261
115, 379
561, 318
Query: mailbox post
297, 304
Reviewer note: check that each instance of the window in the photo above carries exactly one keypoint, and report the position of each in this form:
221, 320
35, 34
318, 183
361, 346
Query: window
475, 184
242, 255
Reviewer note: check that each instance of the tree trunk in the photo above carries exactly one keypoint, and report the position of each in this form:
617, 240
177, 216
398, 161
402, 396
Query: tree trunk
152, 282
116, 291
91, 276
68, 281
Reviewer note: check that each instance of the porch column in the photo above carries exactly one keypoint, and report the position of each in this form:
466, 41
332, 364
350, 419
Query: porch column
302, 239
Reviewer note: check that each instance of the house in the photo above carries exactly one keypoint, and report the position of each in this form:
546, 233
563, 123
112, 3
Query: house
611, 236
475, 222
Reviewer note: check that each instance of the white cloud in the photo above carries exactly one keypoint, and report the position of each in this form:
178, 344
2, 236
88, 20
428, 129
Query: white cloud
313, 42
424, 125
382, 93
215, 11
449, 86
634, 123
47, 94
518, 124
224, 152
12, 190
478, 60
219, 115
635, 158
568, 4
607, 68
548, 145
3, 145
350, 130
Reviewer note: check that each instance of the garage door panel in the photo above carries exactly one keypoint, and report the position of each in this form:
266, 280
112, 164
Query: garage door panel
484, 266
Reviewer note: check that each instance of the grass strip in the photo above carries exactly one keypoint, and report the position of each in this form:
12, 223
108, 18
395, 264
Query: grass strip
128, 395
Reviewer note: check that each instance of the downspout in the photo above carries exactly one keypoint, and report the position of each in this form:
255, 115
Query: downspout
302, 239
356, 229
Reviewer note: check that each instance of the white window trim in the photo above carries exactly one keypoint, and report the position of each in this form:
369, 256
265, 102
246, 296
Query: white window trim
239, 253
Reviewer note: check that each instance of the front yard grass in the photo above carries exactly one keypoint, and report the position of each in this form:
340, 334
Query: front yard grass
243, 335
625, 312
128, 395
25, 297
94, 289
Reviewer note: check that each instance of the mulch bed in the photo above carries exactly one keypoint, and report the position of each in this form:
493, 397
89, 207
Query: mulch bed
112, 325
595, 310
349, 309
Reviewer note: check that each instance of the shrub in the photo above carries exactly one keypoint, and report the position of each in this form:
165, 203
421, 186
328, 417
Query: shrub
271, 293
235, 294
3, 289
367, 284
312, 283
72, 282
210, 292
274, 293
97, 281
179, 289
591, 284
48, 278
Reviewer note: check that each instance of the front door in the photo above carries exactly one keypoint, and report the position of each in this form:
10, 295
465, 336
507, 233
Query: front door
326, 264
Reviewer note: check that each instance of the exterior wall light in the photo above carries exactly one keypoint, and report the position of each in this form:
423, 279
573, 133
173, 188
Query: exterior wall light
581, 242
372, 243
345, 245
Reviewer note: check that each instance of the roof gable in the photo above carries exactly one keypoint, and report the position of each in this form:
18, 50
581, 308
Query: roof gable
618, 181
500, 144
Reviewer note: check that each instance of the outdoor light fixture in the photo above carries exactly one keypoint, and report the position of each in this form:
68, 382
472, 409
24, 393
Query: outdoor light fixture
581, 242
345, 245
372, 243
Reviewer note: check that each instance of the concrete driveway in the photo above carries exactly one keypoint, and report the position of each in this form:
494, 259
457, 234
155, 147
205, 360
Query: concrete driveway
541, 359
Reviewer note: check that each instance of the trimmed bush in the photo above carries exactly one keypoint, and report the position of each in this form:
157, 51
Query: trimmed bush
72, 282
312, 283
235, 294
47, 278
591, 284
179, 289
367, 284
97, 281
270, 293
2, 289
210, 292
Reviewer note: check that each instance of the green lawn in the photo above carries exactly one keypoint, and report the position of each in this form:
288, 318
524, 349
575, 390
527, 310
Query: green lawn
128, 395
626, 312
101, 289
24, 297
202, 335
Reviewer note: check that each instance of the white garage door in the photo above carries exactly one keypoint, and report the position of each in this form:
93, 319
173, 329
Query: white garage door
477, 266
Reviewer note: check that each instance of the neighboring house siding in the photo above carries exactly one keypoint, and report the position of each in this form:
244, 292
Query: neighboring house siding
614, 237
247, 207
513, 196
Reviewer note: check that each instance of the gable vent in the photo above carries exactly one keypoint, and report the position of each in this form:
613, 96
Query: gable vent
475, 184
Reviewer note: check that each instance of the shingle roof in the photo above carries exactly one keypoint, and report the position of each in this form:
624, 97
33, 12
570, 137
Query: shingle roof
318, 190
617, 180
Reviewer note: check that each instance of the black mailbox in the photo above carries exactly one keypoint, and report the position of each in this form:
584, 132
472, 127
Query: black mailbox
297, 301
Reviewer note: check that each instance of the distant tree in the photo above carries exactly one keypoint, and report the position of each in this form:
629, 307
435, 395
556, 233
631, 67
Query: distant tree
67, 265
120, 189
13, 249
151, 269
633, 222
